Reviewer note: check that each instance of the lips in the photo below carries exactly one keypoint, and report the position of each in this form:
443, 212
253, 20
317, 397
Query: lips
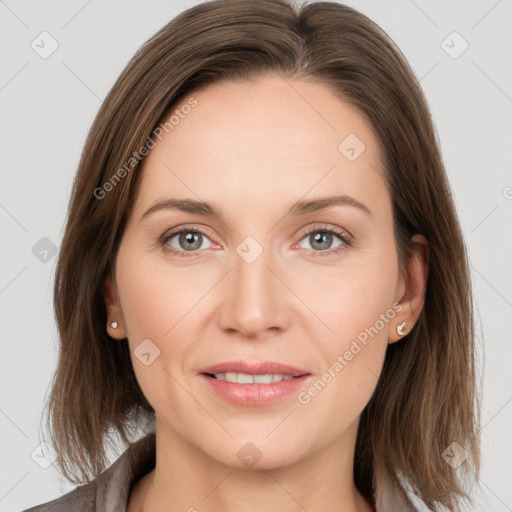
253, 384
266, 367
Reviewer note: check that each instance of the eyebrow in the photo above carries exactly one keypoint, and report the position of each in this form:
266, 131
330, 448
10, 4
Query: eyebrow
301, 207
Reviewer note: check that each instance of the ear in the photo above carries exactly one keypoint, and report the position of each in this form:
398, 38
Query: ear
413, 285
114, 312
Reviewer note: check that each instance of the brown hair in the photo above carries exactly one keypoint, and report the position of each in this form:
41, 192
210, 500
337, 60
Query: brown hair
426, 397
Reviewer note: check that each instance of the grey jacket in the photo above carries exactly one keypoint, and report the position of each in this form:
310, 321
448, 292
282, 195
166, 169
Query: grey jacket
110, 492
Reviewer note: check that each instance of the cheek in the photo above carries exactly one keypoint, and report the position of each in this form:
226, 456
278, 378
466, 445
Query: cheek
153, 302
352, 298
158, 305
352, 358
356, 303
154, 299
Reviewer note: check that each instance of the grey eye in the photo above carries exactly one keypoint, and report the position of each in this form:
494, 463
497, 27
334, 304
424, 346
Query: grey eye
321, 240
189, 240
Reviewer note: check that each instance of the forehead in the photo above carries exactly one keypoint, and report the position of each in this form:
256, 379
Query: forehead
269, 139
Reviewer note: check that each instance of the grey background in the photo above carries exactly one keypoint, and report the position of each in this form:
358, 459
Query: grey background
47, 106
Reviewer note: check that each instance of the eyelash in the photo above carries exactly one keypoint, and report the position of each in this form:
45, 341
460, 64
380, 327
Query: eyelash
347, 241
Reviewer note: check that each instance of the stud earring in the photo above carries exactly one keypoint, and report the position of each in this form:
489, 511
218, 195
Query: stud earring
400, 329
113, 325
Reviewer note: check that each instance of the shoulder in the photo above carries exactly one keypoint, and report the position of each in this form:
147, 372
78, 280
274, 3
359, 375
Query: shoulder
391, 498
111, 490
81, 499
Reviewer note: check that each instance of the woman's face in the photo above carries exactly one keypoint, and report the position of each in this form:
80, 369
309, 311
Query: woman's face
268, 279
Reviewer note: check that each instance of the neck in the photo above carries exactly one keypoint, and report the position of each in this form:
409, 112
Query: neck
186, 479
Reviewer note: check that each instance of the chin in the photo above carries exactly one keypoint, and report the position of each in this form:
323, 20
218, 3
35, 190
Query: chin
257, 453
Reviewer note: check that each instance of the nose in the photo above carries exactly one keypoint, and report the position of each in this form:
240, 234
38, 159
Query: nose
256, 301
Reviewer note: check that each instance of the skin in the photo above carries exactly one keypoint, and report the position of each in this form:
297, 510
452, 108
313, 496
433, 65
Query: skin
255, 149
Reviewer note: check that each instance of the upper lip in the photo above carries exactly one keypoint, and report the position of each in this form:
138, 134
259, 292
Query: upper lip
252, 368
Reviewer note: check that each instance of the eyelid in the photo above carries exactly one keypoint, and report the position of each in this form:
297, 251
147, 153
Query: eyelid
345, 236
319, 226
185, 227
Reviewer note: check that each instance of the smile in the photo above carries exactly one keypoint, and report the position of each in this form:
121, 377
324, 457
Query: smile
246, 378
253, 384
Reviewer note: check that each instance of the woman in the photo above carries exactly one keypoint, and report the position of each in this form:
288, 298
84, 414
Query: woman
263, 271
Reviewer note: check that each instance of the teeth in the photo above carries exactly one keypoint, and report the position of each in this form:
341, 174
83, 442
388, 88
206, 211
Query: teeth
263, 379
245, 378
230, 376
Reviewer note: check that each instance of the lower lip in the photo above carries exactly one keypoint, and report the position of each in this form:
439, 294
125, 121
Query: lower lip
254, 394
